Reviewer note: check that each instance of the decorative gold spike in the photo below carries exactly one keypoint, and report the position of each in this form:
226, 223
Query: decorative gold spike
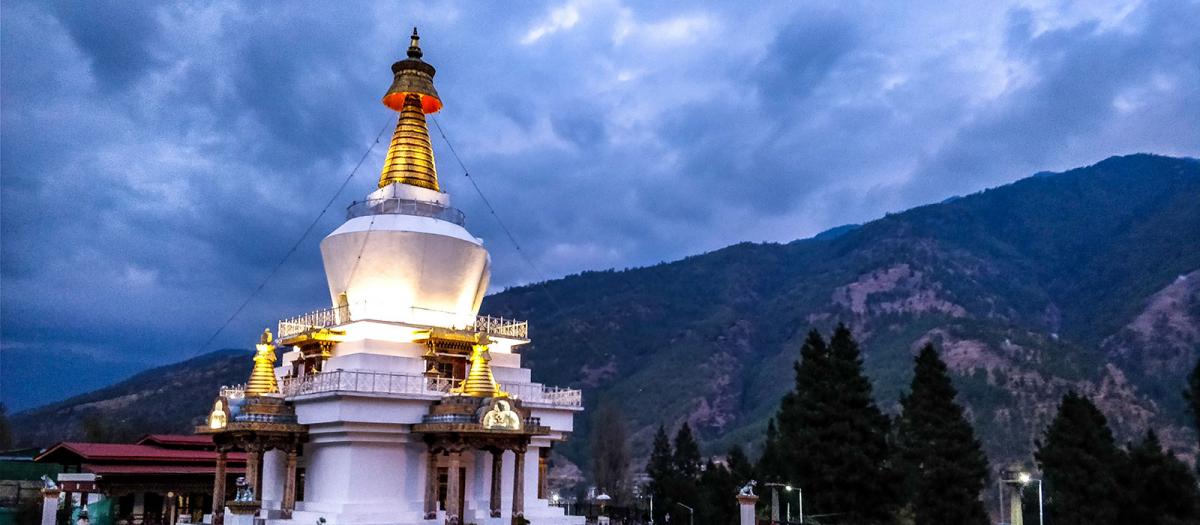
262, 377
414, 45
410, 155
480, 382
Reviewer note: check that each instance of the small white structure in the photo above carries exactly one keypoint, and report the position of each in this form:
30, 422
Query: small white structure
415, 410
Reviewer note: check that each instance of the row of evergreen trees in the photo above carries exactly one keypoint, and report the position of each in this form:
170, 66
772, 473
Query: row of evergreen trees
857, 465
679, 481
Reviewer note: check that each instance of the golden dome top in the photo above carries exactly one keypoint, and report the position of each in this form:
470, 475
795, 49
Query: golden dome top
410, 154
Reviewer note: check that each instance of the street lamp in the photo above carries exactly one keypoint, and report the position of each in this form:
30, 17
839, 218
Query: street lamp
603, 498
1024, 479
775, 500
691, 513
800, 495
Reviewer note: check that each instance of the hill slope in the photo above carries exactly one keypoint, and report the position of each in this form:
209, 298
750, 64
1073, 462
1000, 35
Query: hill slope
1086, 279
1049, 283
167, 399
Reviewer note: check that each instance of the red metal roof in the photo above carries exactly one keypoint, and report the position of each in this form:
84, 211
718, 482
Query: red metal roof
110, 470
109, 452
187, 440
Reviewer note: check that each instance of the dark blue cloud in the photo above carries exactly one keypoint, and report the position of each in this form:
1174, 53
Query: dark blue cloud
157, 161
803, 55
118, 38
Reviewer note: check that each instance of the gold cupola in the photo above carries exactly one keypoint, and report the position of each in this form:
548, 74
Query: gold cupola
480, 382
262, 377
410, 155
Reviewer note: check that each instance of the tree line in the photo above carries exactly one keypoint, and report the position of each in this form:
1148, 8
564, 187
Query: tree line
857, 465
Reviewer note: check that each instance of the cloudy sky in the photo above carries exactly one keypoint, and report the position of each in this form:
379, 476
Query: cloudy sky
157, 162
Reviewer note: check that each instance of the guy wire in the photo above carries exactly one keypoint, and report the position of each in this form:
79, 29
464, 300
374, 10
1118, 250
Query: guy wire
296, 245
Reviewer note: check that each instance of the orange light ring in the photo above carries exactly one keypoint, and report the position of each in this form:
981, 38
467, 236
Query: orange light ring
429, 103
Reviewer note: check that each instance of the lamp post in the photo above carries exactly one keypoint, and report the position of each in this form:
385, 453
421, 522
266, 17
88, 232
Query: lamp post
800, 498
1024, 479
789, 488
691, 513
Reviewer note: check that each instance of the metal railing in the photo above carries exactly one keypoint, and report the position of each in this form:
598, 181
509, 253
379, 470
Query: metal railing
546, 395
397, 206
388, 383
315, 320
365, 381
330, 317
501, 327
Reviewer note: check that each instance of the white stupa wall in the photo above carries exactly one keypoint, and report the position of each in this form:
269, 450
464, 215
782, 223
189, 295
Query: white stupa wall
411, 270
406, 268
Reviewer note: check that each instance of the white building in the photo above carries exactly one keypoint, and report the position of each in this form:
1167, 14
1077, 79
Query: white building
398, 404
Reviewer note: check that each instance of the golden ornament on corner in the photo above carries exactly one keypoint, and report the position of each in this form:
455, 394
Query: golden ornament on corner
262, 377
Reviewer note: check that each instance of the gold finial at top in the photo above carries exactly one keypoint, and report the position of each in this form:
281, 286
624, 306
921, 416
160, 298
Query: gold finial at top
414, 46
410, 155
262, 377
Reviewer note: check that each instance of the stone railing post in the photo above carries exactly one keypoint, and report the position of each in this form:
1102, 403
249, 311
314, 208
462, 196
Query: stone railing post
746, 508
50, 506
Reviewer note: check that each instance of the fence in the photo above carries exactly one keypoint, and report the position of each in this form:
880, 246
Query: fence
330, 317
387, 383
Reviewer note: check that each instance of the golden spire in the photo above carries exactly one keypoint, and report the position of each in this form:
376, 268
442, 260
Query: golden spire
262, 378
480, 382
410, 155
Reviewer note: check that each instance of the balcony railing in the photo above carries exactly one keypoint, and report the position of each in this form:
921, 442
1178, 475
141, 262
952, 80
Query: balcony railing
395, 206
330, 317
500, 326
315, 320
546, 395
363, 381
387, 383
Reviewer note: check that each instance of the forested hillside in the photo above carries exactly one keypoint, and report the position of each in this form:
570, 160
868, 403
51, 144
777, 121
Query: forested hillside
1088, 279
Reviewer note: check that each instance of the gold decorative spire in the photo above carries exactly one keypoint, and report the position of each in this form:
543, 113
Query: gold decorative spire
262, 378
410, 155
480, 382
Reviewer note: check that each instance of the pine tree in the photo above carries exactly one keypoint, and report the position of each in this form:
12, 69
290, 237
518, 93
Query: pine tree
661, 469
610, 453
770, 464
716, 505
1157, 488
798, 411
943, 463
1079, 461
687, 453
740, 468
833, 439
686, 464
1192, 394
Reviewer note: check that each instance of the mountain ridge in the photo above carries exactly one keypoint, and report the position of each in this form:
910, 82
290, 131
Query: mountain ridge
1050, 283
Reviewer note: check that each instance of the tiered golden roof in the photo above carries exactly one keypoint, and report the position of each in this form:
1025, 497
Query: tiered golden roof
480, 382
262, 377
410, 155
